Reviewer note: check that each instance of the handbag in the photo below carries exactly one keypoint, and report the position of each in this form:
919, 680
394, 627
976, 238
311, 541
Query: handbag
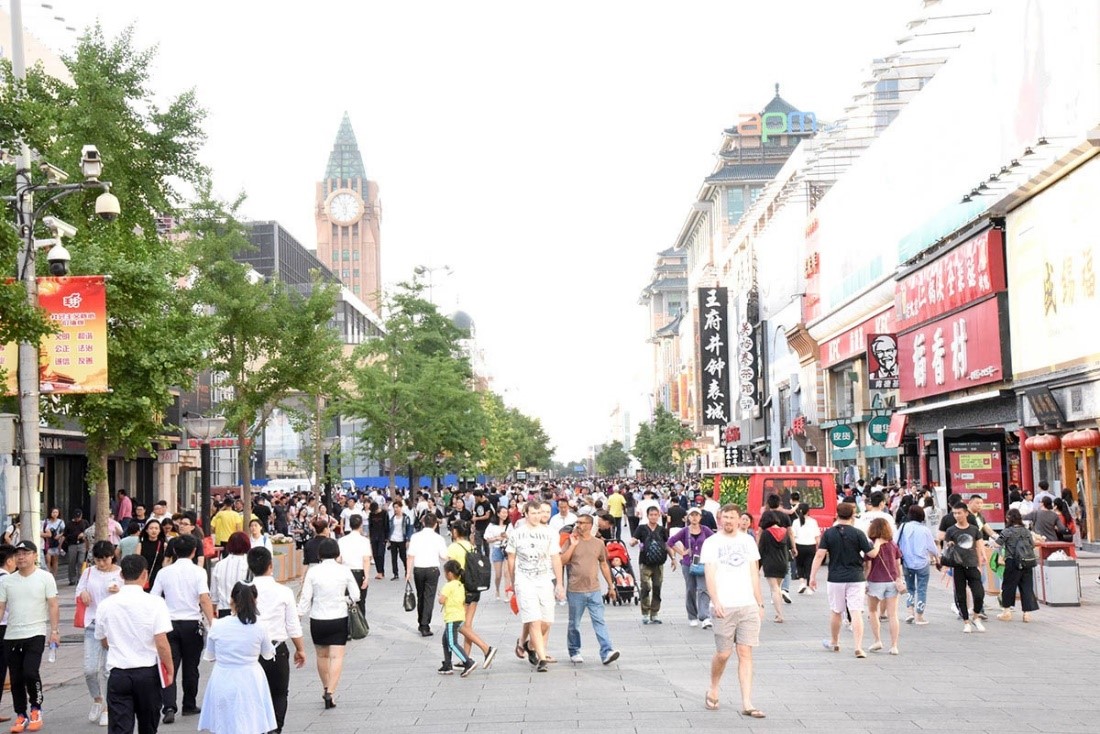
357, 623
81, 607
950, 556
208, 548
409, 602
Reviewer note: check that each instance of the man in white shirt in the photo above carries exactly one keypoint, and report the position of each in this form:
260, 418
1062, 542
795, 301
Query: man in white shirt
134, 628
355, 553
278, 614
642, 508
878, 505
565, 516
426, 549
351, 509
534, 563
731, 565
30, 595
185, 591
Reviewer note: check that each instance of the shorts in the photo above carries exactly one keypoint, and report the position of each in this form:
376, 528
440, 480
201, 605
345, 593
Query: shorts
536, 601
848, 596
496, 554
740, 626
882, 589
473, 597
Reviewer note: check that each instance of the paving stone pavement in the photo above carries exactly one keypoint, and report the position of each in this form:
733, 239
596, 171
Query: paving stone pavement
1037, 677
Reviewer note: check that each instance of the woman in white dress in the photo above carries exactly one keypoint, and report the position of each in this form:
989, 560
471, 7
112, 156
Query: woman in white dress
237, 699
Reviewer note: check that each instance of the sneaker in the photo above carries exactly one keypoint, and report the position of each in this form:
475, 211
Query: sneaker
542, 667
894, 650
654, 620
20, 724
786, 595
830, 646
910, 619
809, 591
169, 716
967, 628
645, 620
875, 646
468, 668
446, 671
611, 657
96, 712
693, 623
921, 622
35, 723
103, 718
489, 657
1005, 616
706, 623
978, 625
802, 589
982, 616
576, 658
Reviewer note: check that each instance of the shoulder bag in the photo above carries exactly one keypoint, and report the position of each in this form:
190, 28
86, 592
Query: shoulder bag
950, 556
892, 572
409, 602
81, 607
357, 623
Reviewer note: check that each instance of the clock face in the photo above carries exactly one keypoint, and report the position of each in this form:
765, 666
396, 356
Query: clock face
344, 208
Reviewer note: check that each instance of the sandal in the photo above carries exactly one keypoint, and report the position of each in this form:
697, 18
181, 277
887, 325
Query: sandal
860, 654
778, 619
753, 713
711, 703
521, 652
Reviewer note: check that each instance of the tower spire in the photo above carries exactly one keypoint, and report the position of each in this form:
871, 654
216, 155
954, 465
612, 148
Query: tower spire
345, 161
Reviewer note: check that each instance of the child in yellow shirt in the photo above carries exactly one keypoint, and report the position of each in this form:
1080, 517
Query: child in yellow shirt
453, 599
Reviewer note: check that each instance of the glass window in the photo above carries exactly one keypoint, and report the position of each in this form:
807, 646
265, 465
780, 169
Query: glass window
346, 275
735, 204
347, 254
844, 392
355, 289
810, 490
355, 254
886, 89
754, 193
335, 231
355, 272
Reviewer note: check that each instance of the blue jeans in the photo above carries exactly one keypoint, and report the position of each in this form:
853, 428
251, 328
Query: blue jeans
95, 662
917, 581
578, 602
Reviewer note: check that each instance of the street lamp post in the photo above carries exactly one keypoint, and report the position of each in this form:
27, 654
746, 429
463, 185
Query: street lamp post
27, 215
203, 429
431, 271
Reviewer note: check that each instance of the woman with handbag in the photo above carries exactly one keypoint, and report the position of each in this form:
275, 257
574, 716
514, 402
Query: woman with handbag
885, 581
1020, 561
96, 583
151, 547
324, 597
688, 543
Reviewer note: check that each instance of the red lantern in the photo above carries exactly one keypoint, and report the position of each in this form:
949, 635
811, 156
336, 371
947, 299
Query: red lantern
1043, 443
1090, 438
1071, 440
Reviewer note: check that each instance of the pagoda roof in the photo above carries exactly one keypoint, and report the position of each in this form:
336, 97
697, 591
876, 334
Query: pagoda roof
777, 104
744, 172
345, 161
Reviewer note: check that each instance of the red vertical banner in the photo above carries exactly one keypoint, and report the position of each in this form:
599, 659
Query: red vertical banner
9, 362
74, 359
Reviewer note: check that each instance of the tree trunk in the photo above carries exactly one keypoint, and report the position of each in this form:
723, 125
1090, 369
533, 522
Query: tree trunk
97, 464
245, 457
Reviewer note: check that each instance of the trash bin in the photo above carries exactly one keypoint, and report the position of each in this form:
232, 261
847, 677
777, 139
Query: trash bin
1059, 583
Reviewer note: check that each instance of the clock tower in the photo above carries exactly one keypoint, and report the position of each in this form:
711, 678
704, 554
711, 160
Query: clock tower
348, 213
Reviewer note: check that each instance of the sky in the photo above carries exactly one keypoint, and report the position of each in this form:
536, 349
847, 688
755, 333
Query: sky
543, 151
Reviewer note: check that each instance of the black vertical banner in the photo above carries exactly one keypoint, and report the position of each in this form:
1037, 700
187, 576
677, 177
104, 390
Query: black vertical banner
714, 356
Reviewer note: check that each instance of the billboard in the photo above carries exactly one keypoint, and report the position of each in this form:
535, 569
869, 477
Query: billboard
977, 468
714, 356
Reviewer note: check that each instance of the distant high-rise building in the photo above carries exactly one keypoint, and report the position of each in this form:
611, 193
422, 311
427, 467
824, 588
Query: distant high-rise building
348, 214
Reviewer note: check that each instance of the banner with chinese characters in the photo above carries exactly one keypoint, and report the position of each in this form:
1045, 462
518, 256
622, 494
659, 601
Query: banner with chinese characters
714, 356
959, 351
74, 360
962, 275
1053, 254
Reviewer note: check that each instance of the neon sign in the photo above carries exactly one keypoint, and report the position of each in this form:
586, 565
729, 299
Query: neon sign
771, 124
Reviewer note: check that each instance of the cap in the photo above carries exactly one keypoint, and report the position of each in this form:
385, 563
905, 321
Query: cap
700, 499
26, 545
694, 511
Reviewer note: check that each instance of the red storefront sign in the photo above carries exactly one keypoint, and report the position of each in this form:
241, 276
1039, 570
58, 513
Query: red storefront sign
954, 353
965, 274
853, 343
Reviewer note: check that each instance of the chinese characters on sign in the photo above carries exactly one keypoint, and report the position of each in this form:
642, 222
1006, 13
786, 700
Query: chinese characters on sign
74, 359
953, 353
970, 271
882, 361
748, 360
714, 356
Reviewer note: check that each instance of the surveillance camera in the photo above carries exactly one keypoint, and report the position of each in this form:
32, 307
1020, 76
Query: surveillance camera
58, 258
53, 174
107, 207
60, 228
91, 165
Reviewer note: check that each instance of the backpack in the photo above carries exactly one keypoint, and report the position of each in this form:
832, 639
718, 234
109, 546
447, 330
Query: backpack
476, 573
654, 552
1024, 551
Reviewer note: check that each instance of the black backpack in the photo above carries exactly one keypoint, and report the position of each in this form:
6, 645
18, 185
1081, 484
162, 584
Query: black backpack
476, 573
1023, 550
654, 552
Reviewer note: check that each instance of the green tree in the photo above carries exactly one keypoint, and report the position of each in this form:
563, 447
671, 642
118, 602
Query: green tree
272, 343
413, 389
154, 338
658, 443
612, 459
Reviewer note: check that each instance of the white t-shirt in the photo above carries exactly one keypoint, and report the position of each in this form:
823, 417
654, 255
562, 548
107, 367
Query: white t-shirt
734, 558
27, 603
805, 533
642, 511
864, 520
533, 547
354, 550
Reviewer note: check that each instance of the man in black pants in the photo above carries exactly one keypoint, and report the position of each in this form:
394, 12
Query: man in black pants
134, 628
35, 615
279, 616
184, 588
426, 550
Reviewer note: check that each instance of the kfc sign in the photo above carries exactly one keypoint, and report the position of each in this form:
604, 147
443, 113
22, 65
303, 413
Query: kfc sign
853, 343
956, 352
963, 275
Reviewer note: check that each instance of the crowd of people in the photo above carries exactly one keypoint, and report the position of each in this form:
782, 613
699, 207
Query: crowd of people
161, 594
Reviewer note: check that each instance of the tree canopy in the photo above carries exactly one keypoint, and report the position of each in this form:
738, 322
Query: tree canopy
658, 445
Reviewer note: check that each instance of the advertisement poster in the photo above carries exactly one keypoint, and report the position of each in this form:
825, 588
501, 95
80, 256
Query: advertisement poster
977, 468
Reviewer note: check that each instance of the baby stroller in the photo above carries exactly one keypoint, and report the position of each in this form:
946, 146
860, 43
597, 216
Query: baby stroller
622, 574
